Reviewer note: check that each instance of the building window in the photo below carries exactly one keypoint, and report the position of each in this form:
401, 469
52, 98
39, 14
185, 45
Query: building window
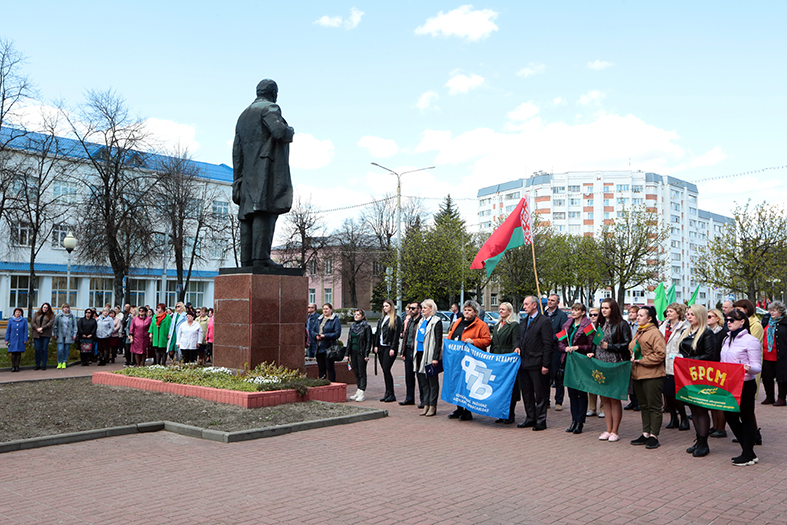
675, 206
493, 299
637, 189
623, 187
19, 285
219, 249
573, 189
574, 202
623, 201
65, 192
559, 215
573, 215
509, 209
607, 189
606, 215
676, 244
328, 267
638, 293
101, 291
312, 295
559, 202
676, 269
675, 219
637, 201
702, 295
560, 227
311, 266
674, 195
191, 244
59, 232
135, 291
514, 195
590, 215
606, 202
195, 294
221, 209
328, 295
692, 211
692, 223
574, 228
558, 189
676, 257
59, 294
22, 234
378, 268
693, 199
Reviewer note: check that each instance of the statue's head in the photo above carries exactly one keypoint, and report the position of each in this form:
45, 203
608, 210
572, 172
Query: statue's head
268, 89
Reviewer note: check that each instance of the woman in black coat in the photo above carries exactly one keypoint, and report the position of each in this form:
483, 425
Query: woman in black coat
774, 362
698, 342
386, 341
359, 344
505, 336
86, 335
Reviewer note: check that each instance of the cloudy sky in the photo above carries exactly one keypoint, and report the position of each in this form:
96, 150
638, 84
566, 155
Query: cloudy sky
486, 92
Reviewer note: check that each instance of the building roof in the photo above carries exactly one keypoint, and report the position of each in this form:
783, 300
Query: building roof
34, 142
702, 214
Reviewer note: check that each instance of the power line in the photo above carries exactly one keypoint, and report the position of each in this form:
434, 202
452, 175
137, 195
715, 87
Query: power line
741, 174
358, 205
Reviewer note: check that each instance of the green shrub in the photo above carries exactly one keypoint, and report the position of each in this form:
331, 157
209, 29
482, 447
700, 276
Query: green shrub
29, 355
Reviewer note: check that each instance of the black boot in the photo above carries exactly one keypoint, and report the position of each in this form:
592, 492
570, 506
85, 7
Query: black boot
673, 420
578, 430
692, 448
684, 423
702, 448
572, 427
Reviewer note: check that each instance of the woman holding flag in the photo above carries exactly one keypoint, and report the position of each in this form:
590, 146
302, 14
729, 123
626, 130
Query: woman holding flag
573, 338
505, 335
612, 346
698, 342
672, 329
649, 351
475, 332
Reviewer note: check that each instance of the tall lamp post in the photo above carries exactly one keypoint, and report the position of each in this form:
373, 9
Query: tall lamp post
69, 243
399, 228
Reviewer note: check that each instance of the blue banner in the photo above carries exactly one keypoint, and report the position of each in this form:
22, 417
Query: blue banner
478, 381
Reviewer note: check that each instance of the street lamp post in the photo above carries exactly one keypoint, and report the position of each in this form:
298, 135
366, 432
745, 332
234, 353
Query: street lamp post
399, 228
69, 243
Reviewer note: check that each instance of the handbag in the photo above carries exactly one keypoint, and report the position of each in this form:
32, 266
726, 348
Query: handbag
432, 370
335, 352
86, 346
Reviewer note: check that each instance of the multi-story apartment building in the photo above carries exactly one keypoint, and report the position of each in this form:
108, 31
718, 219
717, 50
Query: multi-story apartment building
92, 286
581, 202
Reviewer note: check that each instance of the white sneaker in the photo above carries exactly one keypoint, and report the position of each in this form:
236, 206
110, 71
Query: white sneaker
360, 397
590, 413
354, 395
601, 414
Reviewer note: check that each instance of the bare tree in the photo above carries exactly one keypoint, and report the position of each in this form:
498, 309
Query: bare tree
42, 195
184, 199
632, 249
358, 251
304, 232
117, 185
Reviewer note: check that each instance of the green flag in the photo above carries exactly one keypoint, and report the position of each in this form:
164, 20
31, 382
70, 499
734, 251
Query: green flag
694, 295
598, 337
597, 377
637, 351
672, 296
660, 302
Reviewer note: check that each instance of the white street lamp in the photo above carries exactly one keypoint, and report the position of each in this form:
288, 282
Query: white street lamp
69, 243
399, 228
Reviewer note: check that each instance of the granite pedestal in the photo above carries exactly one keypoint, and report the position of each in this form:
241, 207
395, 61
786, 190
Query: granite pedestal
259, 317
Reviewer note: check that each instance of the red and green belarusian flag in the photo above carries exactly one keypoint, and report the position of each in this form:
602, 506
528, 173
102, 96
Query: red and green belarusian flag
598, 334
562, 335
516, 230
709, 384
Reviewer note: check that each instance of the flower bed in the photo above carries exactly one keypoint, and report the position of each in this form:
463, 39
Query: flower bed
266, 385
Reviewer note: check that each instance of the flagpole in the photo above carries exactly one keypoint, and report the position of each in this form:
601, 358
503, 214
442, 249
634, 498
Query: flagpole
535, 271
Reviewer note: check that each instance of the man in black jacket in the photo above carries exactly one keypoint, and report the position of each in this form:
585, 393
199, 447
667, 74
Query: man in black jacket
535, 348
411, 323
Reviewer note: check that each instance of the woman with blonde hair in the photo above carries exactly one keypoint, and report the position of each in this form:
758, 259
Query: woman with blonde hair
428, 350
505, 336
698, 342
716, 324
672, 329
386, 341
593, 399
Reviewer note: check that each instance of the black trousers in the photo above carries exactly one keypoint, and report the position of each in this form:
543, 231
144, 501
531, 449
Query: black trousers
159, 355
579, 404
387, 362
742, 423
410, 378
127, 353
768, 377
535, 394
256, 236
358, 363
325, 367
560, 391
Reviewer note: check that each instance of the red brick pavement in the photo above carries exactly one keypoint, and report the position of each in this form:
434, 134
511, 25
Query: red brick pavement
401, 469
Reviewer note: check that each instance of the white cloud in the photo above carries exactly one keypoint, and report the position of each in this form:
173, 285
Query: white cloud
462, 83
524, 111
709, 158
172, 136
308, 153
532, 69
351, 22
591, 98
426, 100
463, 22
379, 147
559, 101
598, 65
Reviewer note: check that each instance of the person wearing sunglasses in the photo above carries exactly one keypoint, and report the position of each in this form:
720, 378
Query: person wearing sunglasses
739, 346
593, 399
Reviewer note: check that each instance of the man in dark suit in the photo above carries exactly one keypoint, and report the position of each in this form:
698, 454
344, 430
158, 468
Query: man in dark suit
535, 348
312, 327
558, 318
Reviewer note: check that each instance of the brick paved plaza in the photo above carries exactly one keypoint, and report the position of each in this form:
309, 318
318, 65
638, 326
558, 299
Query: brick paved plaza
401, 469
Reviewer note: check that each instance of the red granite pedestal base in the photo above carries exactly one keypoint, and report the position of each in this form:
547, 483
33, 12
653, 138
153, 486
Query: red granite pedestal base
259, 318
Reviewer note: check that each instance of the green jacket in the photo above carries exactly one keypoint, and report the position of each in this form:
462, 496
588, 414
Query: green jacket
159, 334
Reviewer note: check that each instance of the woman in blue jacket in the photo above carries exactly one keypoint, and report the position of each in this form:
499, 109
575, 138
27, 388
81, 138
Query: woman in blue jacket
16, 335
329, 329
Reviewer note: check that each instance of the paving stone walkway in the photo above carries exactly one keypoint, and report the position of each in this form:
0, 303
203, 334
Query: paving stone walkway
401, 469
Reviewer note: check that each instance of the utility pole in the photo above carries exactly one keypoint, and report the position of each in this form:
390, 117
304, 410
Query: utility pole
399, 229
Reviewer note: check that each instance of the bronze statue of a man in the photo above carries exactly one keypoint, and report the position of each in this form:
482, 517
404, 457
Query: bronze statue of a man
261, 186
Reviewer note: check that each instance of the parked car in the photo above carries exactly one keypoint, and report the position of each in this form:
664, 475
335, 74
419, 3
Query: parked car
491, 319
445, 317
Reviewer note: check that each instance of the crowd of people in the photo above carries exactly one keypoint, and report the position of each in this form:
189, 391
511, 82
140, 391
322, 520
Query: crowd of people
138, 333
733, 334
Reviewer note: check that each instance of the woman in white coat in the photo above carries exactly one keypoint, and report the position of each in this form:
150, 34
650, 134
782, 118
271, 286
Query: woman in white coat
189, 338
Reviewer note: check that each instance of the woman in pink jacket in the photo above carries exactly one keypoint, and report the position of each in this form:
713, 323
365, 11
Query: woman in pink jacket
741, 347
